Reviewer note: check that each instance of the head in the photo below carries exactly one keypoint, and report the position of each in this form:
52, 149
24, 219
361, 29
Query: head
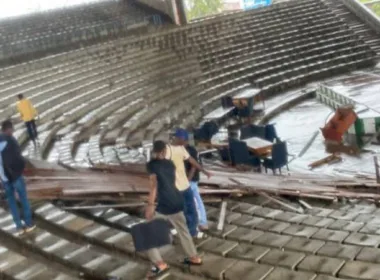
159, 149
7, 127
181, 137
20, 97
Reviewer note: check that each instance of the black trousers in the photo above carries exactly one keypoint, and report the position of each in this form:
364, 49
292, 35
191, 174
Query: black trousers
32, 129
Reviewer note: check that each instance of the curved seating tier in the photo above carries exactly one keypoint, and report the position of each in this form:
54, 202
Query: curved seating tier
130, 90
96, 102
260, 240
64, 28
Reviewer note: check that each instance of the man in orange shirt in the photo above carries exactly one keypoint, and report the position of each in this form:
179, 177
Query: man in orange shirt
28, 114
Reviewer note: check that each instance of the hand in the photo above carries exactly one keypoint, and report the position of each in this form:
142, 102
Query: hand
208, 174
149, 212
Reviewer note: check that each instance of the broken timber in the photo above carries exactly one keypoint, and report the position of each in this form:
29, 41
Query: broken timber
222, 216
327, 160
123, 184
377, 170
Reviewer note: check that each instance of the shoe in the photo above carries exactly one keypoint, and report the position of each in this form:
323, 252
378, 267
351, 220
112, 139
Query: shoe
20, 232
157, 270
192, 261
200, 236
203, 228
30, 229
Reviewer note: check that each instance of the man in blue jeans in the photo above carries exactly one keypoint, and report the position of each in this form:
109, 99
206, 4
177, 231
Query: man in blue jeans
178, 154
12, 165
193, 176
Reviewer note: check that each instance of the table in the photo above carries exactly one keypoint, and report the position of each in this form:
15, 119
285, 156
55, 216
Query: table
218, 114
256, 145
248, 93
259, 146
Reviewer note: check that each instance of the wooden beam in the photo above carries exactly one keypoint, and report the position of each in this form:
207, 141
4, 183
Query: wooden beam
102, 206
222, 216
377, 169
283, 204
305, 204
328, 159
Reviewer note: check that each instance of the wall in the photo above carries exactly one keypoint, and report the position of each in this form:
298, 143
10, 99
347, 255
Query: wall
364, 13
69, 29
173, 8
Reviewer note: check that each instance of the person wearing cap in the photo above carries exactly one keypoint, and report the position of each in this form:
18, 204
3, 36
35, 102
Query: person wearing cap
178, 154
170, 206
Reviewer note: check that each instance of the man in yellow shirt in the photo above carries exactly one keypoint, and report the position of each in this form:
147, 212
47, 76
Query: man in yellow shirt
178, 154
28, 114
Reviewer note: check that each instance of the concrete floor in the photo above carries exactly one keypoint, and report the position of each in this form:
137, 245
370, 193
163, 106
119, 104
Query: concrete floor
297, 125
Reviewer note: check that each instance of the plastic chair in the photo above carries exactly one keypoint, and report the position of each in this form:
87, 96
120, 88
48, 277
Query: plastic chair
227, 102
209, 129
239, 154
249, 131
270, 133
224, 154
279, 158
206, 131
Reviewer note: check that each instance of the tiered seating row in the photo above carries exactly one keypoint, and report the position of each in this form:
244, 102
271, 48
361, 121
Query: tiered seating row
83, 260
203, 29
144, 86
259, 240
273, 244
38, 33
298, 43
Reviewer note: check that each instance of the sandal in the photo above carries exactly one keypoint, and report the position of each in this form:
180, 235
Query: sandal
191, 261
157, 271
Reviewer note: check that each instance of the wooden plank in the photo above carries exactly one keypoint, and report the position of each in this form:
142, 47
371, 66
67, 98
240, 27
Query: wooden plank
100, 206
222, 216
325, 160
377, 170
283, 204
63, 184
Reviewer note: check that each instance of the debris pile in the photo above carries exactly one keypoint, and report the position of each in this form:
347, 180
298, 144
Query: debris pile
131, 184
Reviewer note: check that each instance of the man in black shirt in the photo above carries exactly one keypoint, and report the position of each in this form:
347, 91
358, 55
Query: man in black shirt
170, 207
193, 176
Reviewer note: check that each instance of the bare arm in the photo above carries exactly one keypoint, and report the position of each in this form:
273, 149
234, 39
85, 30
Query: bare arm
191, 173
152, 189
196, 165
149, 212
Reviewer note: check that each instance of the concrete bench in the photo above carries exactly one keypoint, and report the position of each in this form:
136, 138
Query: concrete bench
56, 99
72, 115
322, 30
304, 47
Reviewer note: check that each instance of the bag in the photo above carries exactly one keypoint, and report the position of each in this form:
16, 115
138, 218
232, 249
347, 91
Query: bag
152, 234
